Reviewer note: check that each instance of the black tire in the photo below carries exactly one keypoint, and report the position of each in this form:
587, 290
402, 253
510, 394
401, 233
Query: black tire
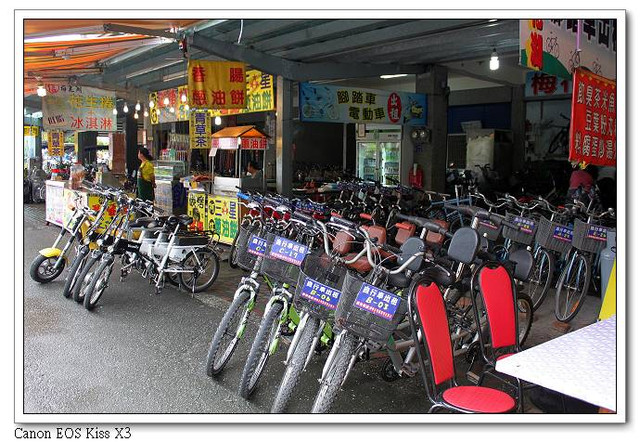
99, 282
296, 365
330, 387
537, 286
72, 275
524, 308
572, 289
42, 271
85, 276
233, 252
209, 261
219, 348
172, 278
259, 353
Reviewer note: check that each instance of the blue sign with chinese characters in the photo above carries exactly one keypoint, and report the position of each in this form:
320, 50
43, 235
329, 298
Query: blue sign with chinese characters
526, 225
377, 301
257, 246
287, 250
320, 294
597, 232
563, 233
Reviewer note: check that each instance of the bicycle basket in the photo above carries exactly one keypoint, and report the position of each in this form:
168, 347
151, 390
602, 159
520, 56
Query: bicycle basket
319, 286
525, 234
249, 246
488, 229
368, 311
283, 259
554, 236
587, 237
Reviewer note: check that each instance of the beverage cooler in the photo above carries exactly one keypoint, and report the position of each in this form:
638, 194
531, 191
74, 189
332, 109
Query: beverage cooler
378, 152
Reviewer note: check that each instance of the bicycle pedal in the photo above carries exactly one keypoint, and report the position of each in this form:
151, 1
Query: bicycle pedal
473, 378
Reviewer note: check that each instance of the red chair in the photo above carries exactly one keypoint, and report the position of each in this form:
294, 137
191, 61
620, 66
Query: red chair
493, 296
428, 315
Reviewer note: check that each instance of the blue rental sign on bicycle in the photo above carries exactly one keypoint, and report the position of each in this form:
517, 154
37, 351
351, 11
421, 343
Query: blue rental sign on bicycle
377, 301
320, 294
289, 251
563, 233
257, 245
597, 232
526, 225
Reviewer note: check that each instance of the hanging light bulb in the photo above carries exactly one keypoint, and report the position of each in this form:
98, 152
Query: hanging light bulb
41, 91
171, 109
146, 114
218, 121
151, 104
494, 62
115, 111
166, 101
184, 98
125, 109
135, 115
138, 106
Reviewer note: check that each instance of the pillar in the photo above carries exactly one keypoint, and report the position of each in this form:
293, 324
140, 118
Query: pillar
284, 136
518, 112
87, 139
433, 157
131, 142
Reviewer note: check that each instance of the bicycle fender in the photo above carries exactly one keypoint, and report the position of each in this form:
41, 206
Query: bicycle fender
51, 252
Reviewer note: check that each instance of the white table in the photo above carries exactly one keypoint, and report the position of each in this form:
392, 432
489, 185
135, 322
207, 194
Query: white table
581, 364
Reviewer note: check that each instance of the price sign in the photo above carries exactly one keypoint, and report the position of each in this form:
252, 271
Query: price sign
597, 232
320, 294
526, 225
289, 251
563, 233
257, 245
377, 301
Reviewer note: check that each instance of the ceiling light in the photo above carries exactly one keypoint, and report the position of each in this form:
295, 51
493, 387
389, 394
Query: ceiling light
42, 92
138, 106
125, 109
184, 98
494, 63
386, 77
115, 111
218, 121
151, 104
146, 114
166, 101
135, 115
171, 109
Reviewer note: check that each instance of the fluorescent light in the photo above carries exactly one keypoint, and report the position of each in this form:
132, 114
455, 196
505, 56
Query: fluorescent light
174, 76
386, 77
494, 62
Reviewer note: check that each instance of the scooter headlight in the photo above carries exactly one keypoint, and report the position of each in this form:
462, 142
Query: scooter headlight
100, 242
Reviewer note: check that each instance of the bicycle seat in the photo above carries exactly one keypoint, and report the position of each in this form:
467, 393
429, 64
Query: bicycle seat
523, 264
464, 245
185, 220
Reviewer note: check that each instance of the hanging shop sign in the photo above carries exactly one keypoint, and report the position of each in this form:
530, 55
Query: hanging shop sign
200, 129
337, 104
55, 143
217, 84
161, 112
593, 119
253, 143
78, 108
540, 85
558, 47
31, 131
222, 216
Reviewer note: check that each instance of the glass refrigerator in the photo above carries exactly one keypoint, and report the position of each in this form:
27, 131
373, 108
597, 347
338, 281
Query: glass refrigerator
379, 154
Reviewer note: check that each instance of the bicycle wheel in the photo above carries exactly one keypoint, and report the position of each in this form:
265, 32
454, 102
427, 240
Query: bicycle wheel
260, 350
525, 316
99, 282
330, 386
227, 335
537, 286
85, 276
296, 365
42, 270
205, 263
74, 270
572, 288
233, 252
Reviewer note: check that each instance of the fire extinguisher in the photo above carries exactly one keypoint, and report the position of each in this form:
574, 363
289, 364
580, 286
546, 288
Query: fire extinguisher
415, 176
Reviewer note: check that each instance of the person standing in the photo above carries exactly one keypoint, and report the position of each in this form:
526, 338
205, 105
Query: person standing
146, 175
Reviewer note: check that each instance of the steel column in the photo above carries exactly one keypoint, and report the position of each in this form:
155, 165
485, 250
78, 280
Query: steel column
284, 136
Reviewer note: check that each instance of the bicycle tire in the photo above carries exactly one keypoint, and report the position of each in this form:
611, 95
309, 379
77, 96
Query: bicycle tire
232, 261
330, 386
72, 275
92, 297
202, 254
524, 308
539, 282
563, 298
235, 311
295, 366
260, 351
84, 278
38, 261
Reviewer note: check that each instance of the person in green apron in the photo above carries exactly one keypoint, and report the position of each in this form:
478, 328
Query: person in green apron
146, 175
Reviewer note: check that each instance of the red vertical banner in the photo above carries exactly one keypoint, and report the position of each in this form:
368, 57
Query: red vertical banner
593, 119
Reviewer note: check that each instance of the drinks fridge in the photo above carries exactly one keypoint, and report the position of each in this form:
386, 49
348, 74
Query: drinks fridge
378, 153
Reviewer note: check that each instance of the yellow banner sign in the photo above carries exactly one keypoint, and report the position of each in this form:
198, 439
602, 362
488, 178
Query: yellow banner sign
55, 143
260, 95
223, 216
200, 129
31, 131
217, 84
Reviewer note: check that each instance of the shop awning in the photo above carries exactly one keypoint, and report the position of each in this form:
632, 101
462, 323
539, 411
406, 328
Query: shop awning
239, 137
240, 132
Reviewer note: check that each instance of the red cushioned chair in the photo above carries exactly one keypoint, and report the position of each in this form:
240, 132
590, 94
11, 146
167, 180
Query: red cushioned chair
427, 314
493, 296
